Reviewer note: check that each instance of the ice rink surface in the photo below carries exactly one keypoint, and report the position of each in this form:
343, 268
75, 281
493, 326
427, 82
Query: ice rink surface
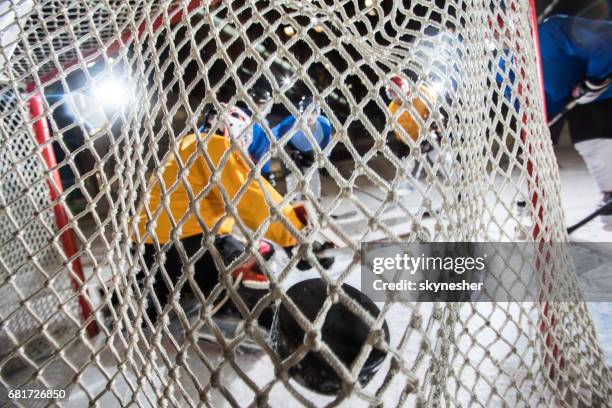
580, 197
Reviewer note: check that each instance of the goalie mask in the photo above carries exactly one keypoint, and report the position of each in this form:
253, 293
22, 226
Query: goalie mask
237, 126
307, 106
397, 88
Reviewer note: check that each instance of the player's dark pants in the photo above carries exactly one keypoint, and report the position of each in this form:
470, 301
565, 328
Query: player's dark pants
303, 160
205, 272
586, 122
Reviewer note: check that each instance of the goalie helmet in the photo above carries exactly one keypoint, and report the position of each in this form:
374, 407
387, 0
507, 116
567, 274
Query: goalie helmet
397, 87
261, 92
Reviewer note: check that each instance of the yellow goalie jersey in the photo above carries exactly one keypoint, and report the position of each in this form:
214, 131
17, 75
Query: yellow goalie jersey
406, 120
170, 203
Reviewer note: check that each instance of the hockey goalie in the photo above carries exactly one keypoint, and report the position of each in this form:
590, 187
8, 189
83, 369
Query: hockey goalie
177, 242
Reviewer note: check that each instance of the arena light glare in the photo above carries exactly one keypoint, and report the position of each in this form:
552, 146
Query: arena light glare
112, 93
284, 80
436, 88
102, 100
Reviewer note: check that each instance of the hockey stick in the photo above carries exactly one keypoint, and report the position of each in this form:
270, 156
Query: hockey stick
380, 200
377, 198
601, 88
570, 105
338, 250
590, 217
584, 221
363, 191
345, 215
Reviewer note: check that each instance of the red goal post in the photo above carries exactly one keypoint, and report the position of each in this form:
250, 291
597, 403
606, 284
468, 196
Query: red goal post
38, 112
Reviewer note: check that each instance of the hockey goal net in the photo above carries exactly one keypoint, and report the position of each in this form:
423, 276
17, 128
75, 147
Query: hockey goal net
103, 93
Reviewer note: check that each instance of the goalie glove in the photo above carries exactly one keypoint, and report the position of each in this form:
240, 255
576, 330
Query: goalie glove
588, 91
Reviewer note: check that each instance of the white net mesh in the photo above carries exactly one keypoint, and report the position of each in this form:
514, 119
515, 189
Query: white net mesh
148, 192
36, 284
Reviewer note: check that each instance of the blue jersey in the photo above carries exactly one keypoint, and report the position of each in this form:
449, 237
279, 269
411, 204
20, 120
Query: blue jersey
506, 68
321, 133
260, 145
573, 49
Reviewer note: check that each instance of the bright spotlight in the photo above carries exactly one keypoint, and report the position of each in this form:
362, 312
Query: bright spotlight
112, 93
96, 106
436, 88
284, 80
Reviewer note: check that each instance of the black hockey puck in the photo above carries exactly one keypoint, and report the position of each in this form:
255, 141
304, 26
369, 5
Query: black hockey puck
343, 331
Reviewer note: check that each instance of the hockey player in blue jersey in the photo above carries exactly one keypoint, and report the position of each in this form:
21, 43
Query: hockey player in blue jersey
299, 146
262, 96
576, 60
577, 66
